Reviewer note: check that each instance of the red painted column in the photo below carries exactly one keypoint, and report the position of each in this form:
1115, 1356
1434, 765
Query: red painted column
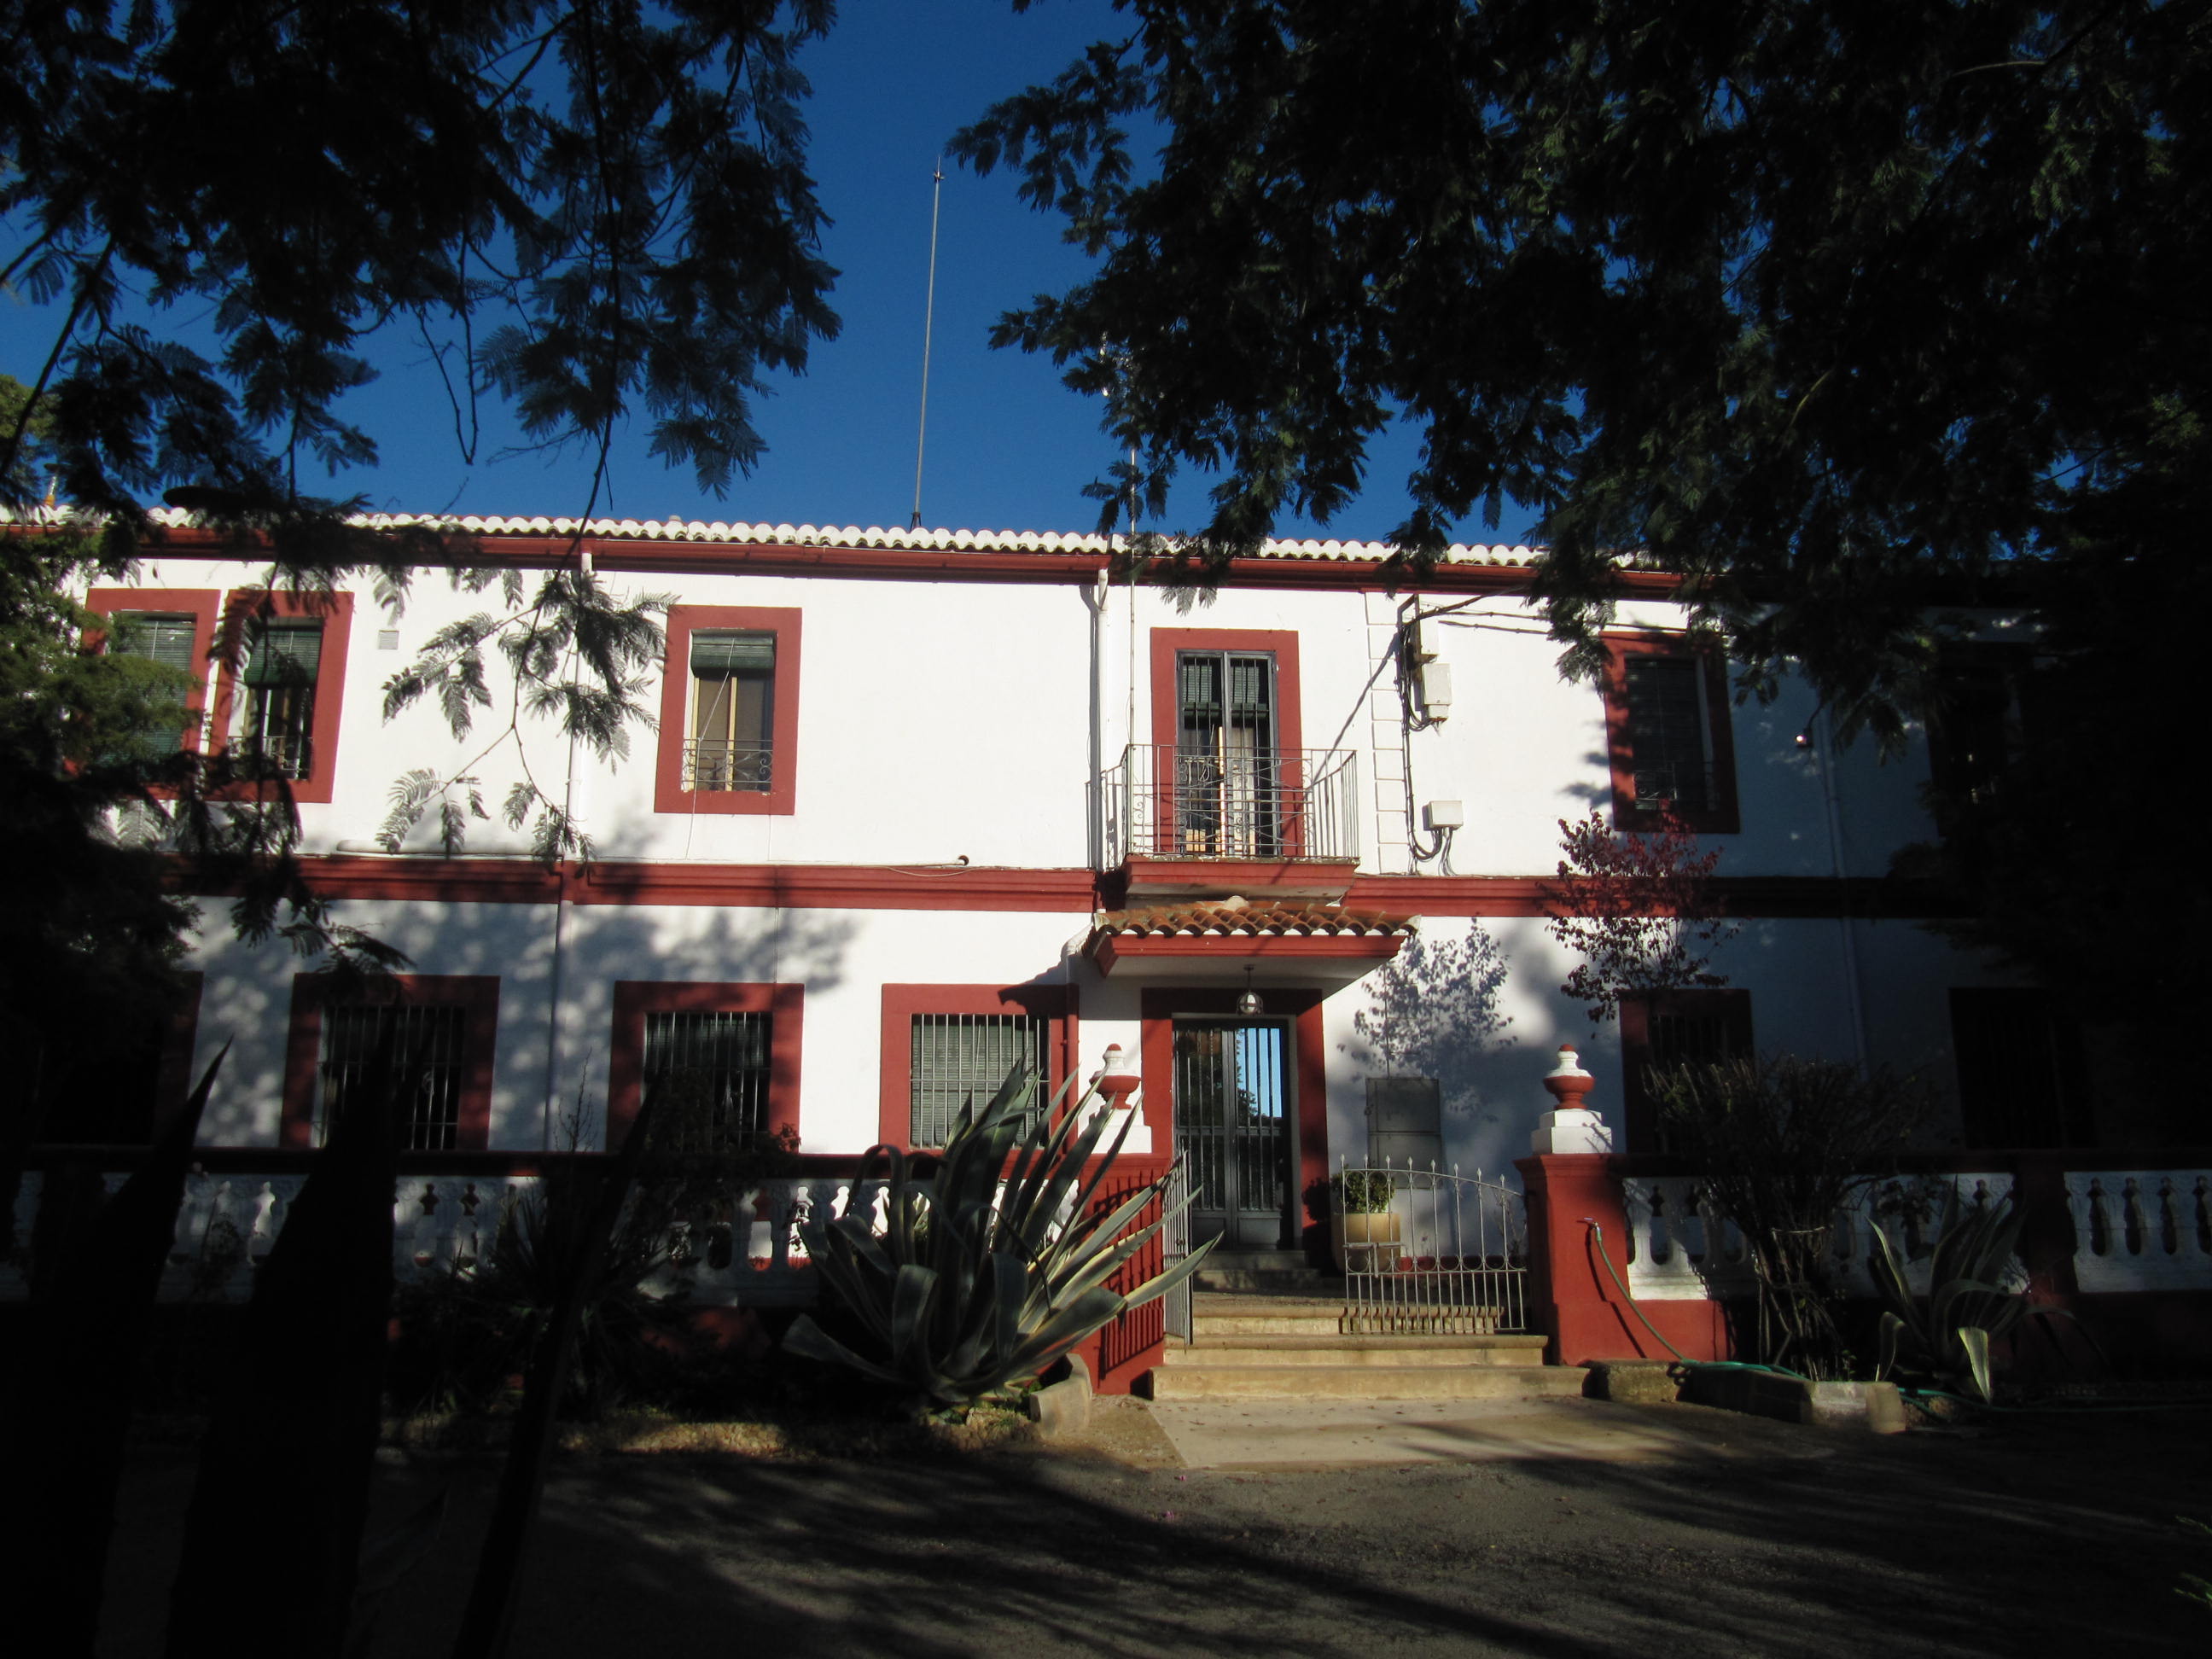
1574, 1197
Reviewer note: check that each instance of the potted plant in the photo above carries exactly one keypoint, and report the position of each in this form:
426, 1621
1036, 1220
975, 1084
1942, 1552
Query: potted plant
1361, 1217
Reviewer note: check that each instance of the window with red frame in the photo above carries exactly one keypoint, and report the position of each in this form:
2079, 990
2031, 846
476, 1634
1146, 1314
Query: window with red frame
946, 1046
175, 627
725, 1055
1669, 735
444, 1027
729, 710
282, 686
1664, 1029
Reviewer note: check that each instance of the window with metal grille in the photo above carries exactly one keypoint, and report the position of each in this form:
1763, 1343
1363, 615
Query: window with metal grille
733, 712
170, 641
2023, 1080
430, 1040
278, 717
709, 1071
1660, 1030
957, 1058
1226, 765
1670, 732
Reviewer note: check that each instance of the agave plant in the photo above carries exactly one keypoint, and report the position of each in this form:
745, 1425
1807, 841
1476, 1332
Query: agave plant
992, 1270
1947, 1333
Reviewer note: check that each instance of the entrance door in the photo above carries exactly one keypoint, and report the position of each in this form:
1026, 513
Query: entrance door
1233, 1113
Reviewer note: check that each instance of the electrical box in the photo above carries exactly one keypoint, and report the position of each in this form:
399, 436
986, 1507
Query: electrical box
1434, 679
1444, 815
1405, 1117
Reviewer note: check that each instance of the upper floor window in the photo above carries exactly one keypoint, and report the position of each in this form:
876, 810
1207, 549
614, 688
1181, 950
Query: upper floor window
283, 687
729, 710
443, 1028
174, 627
276, 708
1668, 733
732, 741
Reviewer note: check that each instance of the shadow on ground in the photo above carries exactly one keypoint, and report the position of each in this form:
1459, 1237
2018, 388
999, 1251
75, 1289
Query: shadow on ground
2043, 1537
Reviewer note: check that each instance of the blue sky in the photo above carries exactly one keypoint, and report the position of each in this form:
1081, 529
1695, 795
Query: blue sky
1009, 448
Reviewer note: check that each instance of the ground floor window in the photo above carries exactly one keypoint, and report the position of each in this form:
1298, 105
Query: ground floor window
444, 1027
725, 1055
1663, 1028
944, 1045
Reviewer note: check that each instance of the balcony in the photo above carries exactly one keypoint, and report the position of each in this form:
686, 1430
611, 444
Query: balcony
1278, 823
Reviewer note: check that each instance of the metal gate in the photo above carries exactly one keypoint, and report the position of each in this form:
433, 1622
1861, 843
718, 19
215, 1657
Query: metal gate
1429, 1253
1233, 1114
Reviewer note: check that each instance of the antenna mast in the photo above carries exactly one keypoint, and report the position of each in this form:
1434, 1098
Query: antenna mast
928, 317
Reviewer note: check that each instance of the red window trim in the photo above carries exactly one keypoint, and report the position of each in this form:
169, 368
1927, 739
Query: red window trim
335, 612
203, 605
1723, 817
1282, 642
669, 794
1638, 1113
1056, 1003
477, 992
785, 1005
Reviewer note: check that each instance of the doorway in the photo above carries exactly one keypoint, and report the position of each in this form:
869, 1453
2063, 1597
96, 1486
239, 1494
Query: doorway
1235, 1110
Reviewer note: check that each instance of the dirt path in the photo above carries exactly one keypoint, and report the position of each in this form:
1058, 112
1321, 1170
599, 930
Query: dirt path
1757, 1538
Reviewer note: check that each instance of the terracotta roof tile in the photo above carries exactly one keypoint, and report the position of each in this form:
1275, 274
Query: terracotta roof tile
1234, 917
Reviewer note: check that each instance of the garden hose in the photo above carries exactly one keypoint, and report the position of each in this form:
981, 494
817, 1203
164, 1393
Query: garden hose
1597, 1235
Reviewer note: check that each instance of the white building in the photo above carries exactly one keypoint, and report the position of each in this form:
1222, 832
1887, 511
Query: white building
918, 800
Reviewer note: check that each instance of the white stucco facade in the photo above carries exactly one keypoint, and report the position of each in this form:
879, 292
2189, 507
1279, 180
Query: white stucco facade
956, 707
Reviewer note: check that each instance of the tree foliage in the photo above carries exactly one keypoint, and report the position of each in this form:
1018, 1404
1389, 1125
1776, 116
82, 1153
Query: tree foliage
1830, 310
1640, 910
595, 212
589, 209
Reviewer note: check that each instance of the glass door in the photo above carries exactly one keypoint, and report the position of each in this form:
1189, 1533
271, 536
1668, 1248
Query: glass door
1233, 1114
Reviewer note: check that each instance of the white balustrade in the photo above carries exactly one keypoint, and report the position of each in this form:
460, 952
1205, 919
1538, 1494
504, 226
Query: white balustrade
2140, 1230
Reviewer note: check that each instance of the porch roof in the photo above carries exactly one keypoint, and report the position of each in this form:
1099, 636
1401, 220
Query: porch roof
1234, 930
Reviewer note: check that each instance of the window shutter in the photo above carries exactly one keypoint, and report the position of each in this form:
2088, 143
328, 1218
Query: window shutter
732, 653
167, 640
285, 653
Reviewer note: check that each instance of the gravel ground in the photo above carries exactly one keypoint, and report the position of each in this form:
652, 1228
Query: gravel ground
2046, 1536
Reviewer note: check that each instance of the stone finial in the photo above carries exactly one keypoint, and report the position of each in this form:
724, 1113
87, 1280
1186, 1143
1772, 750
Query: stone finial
1117, 1079
1572, 1127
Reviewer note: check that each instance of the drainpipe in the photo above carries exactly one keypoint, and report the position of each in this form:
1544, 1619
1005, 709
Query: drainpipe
1094, 600
558, 986
1824, 743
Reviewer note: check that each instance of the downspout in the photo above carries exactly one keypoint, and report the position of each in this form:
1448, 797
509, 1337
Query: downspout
557, 987
1094, 600
1826, 736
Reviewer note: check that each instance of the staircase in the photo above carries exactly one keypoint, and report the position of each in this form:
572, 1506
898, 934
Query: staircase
1271, 1331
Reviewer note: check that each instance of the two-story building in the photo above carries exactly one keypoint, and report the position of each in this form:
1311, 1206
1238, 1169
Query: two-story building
920, 803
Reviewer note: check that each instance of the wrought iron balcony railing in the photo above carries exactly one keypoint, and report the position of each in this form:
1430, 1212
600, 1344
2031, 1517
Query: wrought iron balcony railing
1165, 802
717, 764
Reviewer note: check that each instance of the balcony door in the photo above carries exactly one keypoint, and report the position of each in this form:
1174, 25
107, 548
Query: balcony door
1233, 1118
1228, 763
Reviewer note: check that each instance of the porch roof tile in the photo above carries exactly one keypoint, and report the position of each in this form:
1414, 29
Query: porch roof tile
1231, 918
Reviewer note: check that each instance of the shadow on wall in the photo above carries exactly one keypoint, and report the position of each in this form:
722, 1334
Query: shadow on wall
1433, 1011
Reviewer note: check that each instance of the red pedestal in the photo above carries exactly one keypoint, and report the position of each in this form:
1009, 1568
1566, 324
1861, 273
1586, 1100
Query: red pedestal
1572, 1298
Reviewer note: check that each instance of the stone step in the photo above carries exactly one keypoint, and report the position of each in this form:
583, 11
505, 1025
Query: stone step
1264, 1281
1214, 1381
1490, 1351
